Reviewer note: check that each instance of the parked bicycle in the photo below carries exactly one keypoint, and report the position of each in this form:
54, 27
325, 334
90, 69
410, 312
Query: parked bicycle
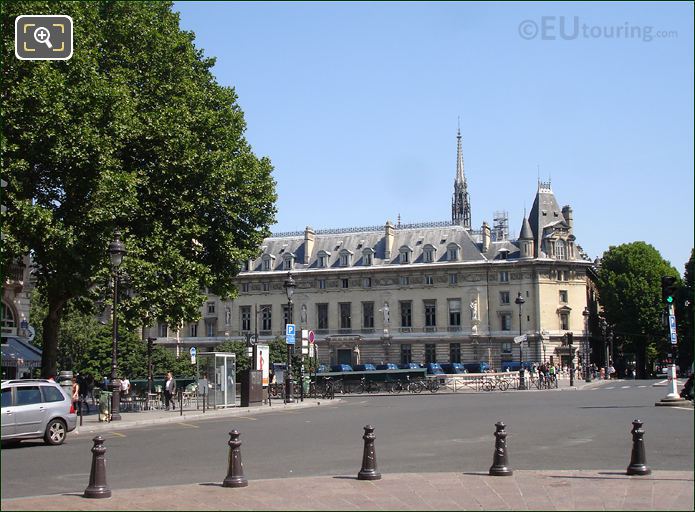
490, 383
367, 386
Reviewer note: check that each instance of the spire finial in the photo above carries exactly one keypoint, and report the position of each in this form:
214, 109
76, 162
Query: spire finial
460, 205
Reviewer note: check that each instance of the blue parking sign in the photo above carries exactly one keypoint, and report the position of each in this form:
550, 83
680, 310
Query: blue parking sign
289, 333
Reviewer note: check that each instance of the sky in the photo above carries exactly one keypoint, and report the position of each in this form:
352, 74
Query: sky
357, 105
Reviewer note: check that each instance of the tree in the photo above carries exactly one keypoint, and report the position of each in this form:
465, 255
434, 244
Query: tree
132, 133
629, 283
686, 314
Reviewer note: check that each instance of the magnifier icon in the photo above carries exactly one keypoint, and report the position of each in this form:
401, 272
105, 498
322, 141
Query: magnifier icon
42, 35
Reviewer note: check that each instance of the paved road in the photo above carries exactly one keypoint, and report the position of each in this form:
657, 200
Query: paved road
548, 430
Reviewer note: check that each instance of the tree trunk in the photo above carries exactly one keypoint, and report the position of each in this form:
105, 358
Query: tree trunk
51, 327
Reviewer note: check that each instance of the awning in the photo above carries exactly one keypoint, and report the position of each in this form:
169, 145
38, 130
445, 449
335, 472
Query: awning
17, 352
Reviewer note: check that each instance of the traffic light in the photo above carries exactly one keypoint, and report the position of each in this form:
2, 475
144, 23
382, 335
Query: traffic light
669, 286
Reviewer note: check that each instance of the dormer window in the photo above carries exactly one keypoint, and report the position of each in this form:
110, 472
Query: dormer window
560, 250
267, 261
345, 258
368, 257
288, 261
452, 252
428, 253
405, 254
504, 252
323, 259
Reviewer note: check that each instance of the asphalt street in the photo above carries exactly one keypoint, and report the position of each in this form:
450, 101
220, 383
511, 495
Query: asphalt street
557, 429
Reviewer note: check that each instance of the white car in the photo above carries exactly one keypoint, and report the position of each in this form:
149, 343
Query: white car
35, 409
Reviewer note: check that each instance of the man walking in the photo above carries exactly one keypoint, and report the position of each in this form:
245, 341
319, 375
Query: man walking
169, 391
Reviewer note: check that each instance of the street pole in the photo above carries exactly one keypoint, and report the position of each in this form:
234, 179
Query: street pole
522, 385
587, 374
289, 289
116, 253
570, 340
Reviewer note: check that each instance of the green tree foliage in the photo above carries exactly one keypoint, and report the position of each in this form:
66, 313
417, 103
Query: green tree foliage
133, 132
686, 314
629, 282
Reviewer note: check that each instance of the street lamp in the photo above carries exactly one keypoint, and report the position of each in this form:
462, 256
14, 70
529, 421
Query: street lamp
587, 374
289, 290
520, 301
606, 356
116, 253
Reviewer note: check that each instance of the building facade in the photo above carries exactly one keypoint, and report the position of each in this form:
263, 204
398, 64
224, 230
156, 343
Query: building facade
434, 292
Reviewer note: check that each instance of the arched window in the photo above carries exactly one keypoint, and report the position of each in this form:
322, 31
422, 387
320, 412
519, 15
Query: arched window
452, 251
368, 257
405, 254
8, 319
560, 250
428, 253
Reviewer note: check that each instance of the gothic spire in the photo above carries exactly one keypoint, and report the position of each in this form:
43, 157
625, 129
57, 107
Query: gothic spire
460, 204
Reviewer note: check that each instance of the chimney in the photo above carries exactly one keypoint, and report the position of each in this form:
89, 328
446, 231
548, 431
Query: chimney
308, 244
486, 237
567, 214
388, 242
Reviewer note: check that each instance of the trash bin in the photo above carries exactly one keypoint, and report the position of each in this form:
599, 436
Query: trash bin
305, 384
105, 405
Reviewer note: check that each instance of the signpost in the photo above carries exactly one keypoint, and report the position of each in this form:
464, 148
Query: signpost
290, 330
193, 353
519, 339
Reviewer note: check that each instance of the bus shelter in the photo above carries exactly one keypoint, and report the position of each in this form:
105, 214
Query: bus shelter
219, 368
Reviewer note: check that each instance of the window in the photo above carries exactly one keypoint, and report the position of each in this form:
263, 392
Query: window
7, 397
430, 353
367, 315
51, 394
245, 287
368, 257
27, 395
265, 287
345, 308
7, 316
288, 262
504, 297
210, 327
404, 280
428, 254
429, 280
453, 278
193, 330
504, 276
506, 347
430, 313
162, 330
454, 312
285, 314
454, 352
211, 308
405, 254
506, 321
322, 284
565, 321
563, 296
322, 315
344, 283
367, 282
245, 318
267, 261
560, 250
406, 353
406, 307
345, 258
323, 258
267, 317
452, 252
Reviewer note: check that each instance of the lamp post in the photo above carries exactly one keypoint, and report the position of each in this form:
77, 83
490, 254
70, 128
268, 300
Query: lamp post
570, 340
116, 253
587, 373
606, 356
522, 385
289, 289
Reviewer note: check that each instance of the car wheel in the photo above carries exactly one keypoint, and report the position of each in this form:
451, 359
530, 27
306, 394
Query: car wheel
55, 432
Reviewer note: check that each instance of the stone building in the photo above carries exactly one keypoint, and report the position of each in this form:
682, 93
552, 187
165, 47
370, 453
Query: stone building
414, 293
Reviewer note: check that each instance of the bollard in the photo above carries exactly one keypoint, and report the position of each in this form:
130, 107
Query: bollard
638, 461
368, 471
235, 470
499, 460
97, 487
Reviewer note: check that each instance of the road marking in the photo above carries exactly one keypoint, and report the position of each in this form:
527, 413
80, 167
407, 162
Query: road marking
625, 387
118, 434
188, 425
641, 386
610, 387
248, 418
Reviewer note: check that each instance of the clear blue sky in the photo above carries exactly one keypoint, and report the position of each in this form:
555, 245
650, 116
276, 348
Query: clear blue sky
356, 104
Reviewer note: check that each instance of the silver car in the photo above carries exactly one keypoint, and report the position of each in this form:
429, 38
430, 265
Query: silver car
34, 408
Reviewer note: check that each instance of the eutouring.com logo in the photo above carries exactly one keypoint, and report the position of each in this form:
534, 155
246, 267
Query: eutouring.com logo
551, 28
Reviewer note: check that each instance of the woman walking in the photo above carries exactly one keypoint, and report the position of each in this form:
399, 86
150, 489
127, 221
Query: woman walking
169, 391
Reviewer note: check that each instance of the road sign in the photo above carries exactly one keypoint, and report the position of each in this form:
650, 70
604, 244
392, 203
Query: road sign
193, 351
290, 330
519, 339
672, 329
311, 337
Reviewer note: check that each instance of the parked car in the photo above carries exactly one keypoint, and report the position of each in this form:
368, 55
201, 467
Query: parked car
435, 369
480, 367
387, 366
341, 368
35, 409
409, 366
454, 368
365, 368
323, 369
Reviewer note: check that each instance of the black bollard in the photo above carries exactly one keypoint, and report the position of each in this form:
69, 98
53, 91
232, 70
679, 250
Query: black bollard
499, 461
97, 487
638, 460
369, 471
235, 470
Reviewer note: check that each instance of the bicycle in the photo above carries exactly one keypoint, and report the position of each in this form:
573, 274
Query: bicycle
327, 389
491, 383
367, 385
432, 385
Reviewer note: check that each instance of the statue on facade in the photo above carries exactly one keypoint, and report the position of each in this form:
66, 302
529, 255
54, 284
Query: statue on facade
474, 310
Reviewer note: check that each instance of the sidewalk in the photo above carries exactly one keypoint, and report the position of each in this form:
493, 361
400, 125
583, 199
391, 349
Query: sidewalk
524, 490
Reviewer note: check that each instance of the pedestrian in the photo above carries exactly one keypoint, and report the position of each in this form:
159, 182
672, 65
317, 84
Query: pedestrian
75, 393
125, 387
169, 391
